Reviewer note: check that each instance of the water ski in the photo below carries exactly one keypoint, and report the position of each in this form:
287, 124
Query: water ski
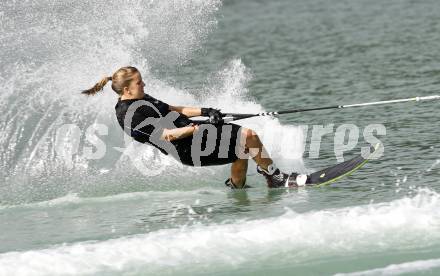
338, 171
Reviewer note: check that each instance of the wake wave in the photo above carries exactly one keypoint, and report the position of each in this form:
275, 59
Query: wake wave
398, 269
75, 199
297, 237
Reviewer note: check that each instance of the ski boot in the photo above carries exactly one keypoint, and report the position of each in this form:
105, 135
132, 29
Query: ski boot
277, 179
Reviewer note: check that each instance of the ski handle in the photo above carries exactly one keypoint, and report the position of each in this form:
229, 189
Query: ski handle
229, 117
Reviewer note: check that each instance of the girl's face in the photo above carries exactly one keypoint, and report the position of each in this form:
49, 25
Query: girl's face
136, 87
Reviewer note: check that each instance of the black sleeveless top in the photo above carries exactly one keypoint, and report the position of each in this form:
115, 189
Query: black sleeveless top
149, 117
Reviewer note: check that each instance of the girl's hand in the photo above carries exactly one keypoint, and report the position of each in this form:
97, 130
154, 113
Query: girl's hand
196, 128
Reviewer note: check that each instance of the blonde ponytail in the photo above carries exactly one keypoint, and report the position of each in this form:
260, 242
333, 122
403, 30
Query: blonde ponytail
97, 87
120, 79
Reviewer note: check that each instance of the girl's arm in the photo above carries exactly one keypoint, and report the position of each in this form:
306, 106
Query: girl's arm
178, 133
187, 111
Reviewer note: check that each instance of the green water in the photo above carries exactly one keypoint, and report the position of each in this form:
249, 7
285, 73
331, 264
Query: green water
148, 215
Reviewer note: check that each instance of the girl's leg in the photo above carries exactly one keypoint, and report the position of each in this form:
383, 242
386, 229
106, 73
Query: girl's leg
274, 177
256, 149
238, 172
253, 145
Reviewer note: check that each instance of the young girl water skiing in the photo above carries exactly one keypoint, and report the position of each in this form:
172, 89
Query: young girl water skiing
168, 128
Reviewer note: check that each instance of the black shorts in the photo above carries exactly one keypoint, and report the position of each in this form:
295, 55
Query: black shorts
213, 145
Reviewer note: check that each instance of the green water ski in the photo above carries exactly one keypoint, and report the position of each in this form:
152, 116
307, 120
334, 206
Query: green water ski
338, 171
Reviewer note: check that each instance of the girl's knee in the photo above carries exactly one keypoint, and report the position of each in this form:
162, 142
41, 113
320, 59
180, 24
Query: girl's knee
249, 133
